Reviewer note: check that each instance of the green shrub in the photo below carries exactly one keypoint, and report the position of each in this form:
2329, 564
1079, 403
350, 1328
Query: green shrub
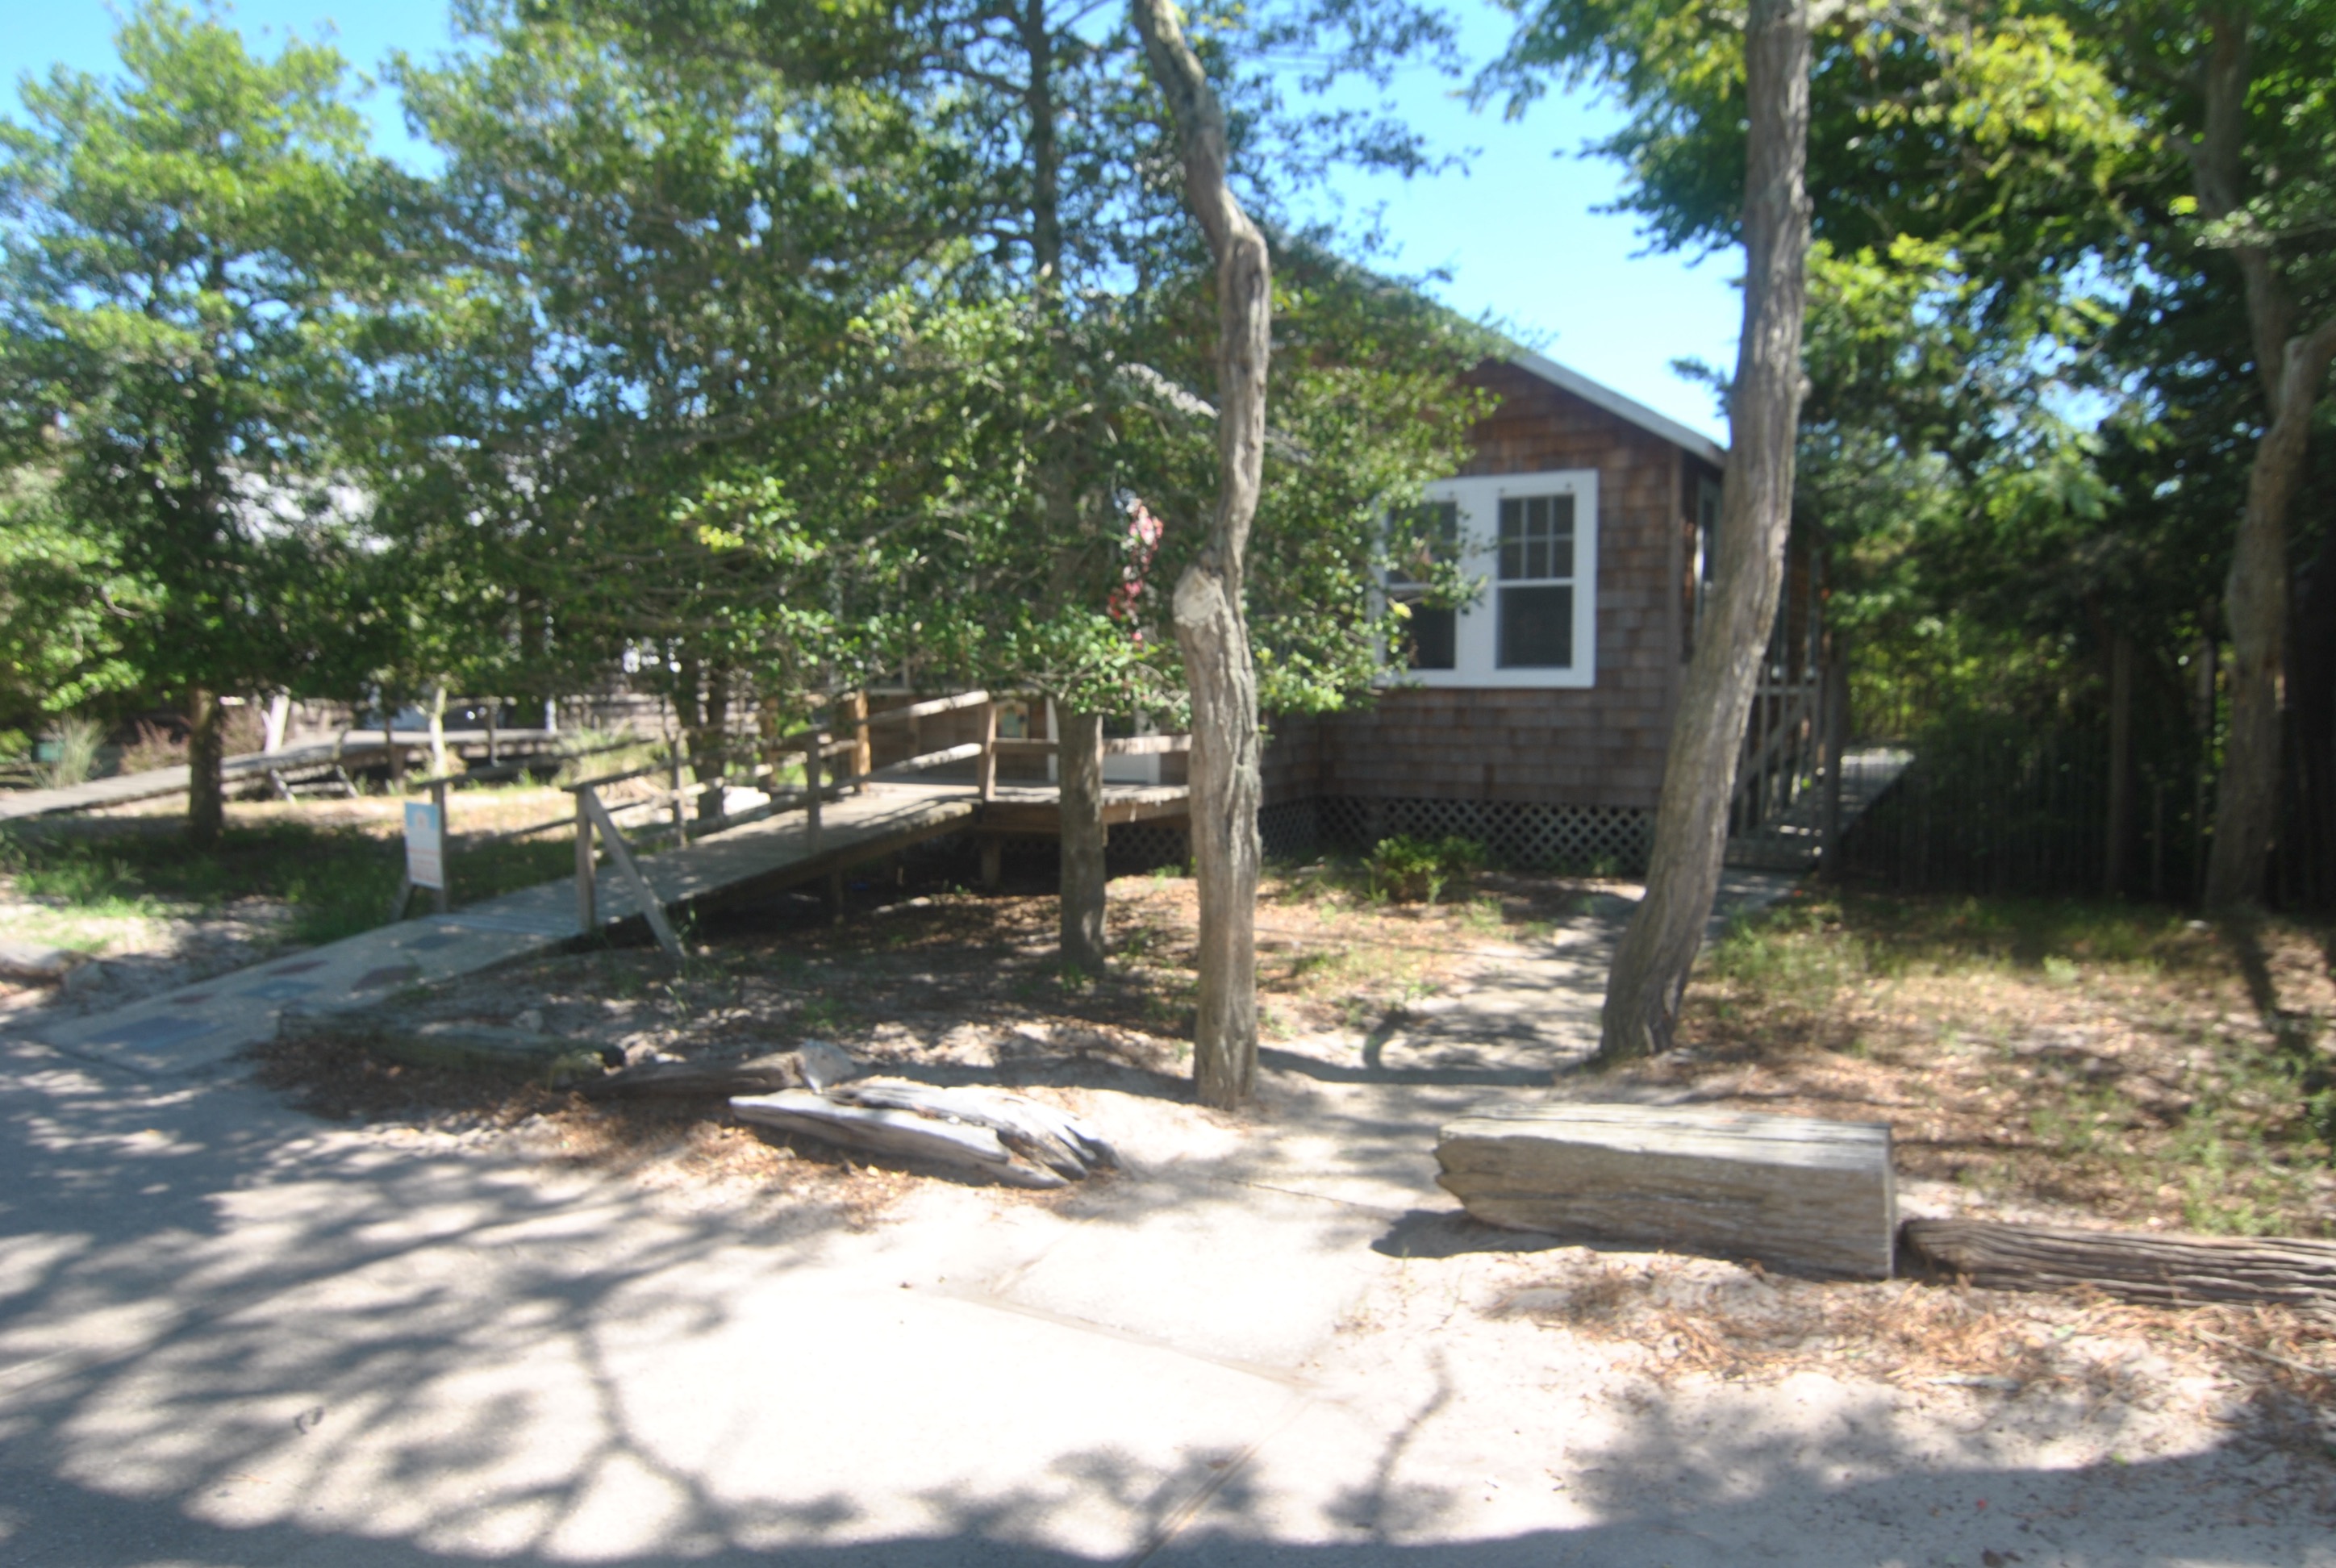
71, 756
1412, 871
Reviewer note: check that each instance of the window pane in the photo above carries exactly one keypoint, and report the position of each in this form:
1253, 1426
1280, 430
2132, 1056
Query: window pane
1431, 530
1434, 640
1536, 538
1537, 627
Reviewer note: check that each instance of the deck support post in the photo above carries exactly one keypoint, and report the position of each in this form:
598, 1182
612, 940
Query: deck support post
588, 914
993, 860
680, 806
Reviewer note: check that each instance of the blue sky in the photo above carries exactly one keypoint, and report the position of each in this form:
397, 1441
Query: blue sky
1517, 232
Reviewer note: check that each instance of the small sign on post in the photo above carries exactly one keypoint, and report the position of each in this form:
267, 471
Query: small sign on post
425, 847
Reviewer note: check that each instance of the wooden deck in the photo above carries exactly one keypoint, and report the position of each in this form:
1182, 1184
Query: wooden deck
358, 749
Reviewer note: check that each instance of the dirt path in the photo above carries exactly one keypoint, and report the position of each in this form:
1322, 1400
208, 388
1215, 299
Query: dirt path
230, 1334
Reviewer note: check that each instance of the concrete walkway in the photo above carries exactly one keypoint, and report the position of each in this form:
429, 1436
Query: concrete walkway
230, 1337
198, 1027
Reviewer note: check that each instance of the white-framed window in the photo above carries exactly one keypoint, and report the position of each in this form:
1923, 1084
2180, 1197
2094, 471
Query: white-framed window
1430, 633
1531, 541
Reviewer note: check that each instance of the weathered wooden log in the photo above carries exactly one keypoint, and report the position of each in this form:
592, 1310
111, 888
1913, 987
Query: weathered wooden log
903, 1134
464, 1047
1812, 1196
701, 1080
36, 965
1037, 1132
2156, 1269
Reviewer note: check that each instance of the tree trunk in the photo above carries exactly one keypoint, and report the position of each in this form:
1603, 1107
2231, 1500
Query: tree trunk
709, 746
1079, 764
2311, 714
2290, 367
2247, 805
1658, 947
206, 788
1226, 781
2119, 832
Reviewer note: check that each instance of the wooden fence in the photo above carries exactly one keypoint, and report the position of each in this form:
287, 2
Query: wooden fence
1998, 810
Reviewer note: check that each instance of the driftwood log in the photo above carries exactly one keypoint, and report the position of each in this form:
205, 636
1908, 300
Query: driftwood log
465, 1047
36, 965
2154, 1269
1039, 1132
1811, 1196
982, 1132
701, 1080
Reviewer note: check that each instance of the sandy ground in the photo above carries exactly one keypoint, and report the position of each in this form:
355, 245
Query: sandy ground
1404, 1380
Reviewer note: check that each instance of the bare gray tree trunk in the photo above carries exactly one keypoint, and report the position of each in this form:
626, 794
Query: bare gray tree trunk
1079, 762
206, 787
709, 743
1211, 631
2293, 367
1658, 947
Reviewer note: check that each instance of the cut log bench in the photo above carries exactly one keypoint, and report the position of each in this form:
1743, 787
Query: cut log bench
1809, 1196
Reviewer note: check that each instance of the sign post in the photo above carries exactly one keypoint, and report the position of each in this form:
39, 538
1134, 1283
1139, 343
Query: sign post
425, 844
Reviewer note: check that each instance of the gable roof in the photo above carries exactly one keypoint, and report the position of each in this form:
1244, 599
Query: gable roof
1621, 407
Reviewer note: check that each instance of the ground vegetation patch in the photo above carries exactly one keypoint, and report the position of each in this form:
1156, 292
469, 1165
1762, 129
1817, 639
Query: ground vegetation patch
2126, 1065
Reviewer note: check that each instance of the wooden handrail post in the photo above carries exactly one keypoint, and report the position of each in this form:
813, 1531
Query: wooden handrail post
588, 914
985, 769
445, 841
680, 806
864, 755
812, 749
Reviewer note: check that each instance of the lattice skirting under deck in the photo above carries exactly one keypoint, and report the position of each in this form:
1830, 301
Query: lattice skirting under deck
1518, 834
1522, 835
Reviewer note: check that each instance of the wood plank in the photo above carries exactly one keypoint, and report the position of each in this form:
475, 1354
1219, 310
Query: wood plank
2157, 1270
652, 907
1812, 1196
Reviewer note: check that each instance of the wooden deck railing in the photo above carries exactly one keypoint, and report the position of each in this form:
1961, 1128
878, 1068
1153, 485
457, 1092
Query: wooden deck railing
817, 744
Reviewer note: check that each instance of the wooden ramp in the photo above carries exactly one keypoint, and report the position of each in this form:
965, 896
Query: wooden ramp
201, 1025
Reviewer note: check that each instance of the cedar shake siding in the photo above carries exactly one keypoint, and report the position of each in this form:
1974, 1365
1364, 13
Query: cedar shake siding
1599, 747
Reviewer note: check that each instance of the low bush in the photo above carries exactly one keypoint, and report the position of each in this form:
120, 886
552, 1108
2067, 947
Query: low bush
1416, 871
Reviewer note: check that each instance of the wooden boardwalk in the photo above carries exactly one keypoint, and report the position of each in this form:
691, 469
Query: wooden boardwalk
358, 748
201, 1025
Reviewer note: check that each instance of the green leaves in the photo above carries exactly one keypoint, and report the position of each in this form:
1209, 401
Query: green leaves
187, 250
